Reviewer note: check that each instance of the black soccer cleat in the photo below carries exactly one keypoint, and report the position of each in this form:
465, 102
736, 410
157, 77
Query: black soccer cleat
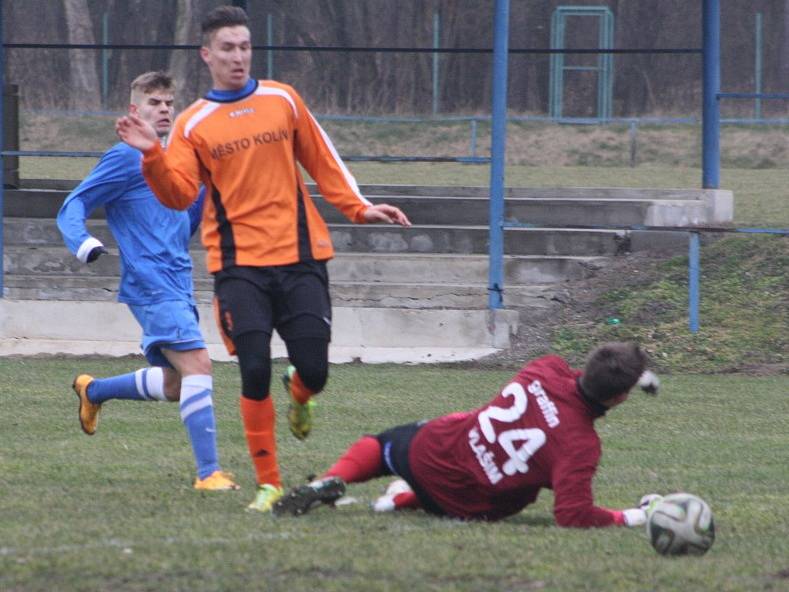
304, 498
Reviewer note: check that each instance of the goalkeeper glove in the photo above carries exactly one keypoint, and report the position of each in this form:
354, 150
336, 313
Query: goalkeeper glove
639, 516
94, 254
649, 382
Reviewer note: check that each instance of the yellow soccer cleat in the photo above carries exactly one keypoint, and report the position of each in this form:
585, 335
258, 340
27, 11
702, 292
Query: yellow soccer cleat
88, 412
267, 495
216, 481
299, 416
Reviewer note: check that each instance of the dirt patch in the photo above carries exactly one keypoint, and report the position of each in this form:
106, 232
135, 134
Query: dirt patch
576, 302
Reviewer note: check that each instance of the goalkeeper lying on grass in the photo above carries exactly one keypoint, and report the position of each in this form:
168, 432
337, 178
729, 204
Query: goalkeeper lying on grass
490, 463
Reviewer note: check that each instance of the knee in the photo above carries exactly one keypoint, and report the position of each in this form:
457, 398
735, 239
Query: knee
256, 379
313, 373
171, 385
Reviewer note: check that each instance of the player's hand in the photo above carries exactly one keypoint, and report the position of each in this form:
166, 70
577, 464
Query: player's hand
649, 382
94, 254
639, 516
387, 214
136, 132
649, 502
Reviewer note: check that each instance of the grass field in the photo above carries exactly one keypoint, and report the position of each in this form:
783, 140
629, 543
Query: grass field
116, 511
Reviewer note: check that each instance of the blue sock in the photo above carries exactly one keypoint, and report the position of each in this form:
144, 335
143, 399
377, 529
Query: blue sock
134, 386
197, 413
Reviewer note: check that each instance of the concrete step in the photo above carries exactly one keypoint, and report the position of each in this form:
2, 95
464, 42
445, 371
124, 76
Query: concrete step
542, 211
375, 238
474, 240
346, 267
592, 193
470, 296
107, 328
470, 205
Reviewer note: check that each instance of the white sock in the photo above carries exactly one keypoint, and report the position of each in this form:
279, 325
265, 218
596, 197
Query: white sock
150, 383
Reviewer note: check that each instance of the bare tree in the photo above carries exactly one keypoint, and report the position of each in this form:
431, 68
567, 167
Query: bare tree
84, 80
182, 61
784, 53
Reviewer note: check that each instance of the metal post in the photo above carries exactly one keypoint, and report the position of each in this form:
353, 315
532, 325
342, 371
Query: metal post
498, 146
757, 70
2, 147
693, 282
711, 108
270, 42
436, 45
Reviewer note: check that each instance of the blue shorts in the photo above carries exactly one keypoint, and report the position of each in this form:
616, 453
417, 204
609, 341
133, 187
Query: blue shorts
173, 324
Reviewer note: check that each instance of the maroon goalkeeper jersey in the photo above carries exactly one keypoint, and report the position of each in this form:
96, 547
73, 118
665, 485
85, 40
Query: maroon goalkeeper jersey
491, 462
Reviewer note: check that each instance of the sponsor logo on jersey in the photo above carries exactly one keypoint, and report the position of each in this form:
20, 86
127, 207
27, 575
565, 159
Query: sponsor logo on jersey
226, 149
240, 112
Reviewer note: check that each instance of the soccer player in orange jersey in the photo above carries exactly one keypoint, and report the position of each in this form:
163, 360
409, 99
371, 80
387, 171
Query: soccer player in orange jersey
266, 243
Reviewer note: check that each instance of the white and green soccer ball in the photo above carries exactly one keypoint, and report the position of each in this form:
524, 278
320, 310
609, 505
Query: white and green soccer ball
681, 524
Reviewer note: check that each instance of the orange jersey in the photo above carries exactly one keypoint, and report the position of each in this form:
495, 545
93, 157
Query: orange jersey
258, 211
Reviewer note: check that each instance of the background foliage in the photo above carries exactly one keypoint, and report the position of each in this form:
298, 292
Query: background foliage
362, 83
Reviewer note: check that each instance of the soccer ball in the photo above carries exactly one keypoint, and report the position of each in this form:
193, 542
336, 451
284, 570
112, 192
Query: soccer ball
681, 524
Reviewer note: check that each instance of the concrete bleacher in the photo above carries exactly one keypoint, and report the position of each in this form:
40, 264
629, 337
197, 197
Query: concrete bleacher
399, 294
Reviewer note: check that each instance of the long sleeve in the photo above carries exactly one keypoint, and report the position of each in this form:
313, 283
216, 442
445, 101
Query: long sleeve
315, 150
174, 174
105, 182
573, 499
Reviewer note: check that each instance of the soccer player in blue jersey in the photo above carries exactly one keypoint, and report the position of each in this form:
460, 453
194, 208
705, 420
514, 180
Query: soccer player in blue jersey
156, 285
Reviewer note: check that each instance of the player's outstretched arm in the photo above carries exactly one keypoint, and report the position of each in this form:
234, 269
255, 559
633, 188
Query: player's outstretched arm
136, 132
386, 214
639, 516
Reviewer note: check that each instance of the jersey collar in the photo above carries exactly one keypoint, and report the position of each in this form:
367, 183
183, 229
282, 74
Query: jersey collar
228, 96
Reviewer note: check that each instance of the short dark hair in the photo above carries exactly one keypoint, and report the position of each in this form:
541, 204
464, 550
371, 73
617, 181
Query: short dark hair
150, 81
612, 369
223, 16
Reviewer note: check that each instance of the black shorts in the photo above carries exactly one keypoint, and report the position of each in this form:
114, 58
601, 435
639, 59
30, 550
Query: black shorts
395, 444
293, 299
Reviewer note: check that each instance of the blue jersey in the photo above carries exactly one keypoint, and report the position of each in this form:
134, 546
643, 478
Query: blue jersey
153, 240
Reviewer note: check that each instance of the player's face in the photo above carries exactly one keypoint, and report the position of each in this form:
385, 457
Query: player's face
157, 109
228, 57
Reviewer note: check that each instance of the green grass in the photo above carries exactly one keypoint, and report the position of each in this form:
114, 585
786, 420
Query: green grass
116, 511
744, 300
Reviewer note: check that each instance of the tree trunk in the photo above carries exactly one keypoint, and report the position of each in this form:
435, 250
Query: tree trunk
84, 80
784, 68
182, 61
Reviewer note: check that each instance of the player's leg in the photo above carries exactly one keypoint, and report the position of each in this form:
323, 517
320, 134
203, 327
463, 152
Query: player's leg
195, 396
244, 315
305, 377
302, 310
145, 384
367, 458
362, 461
398, 496
258, 415
173, 341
